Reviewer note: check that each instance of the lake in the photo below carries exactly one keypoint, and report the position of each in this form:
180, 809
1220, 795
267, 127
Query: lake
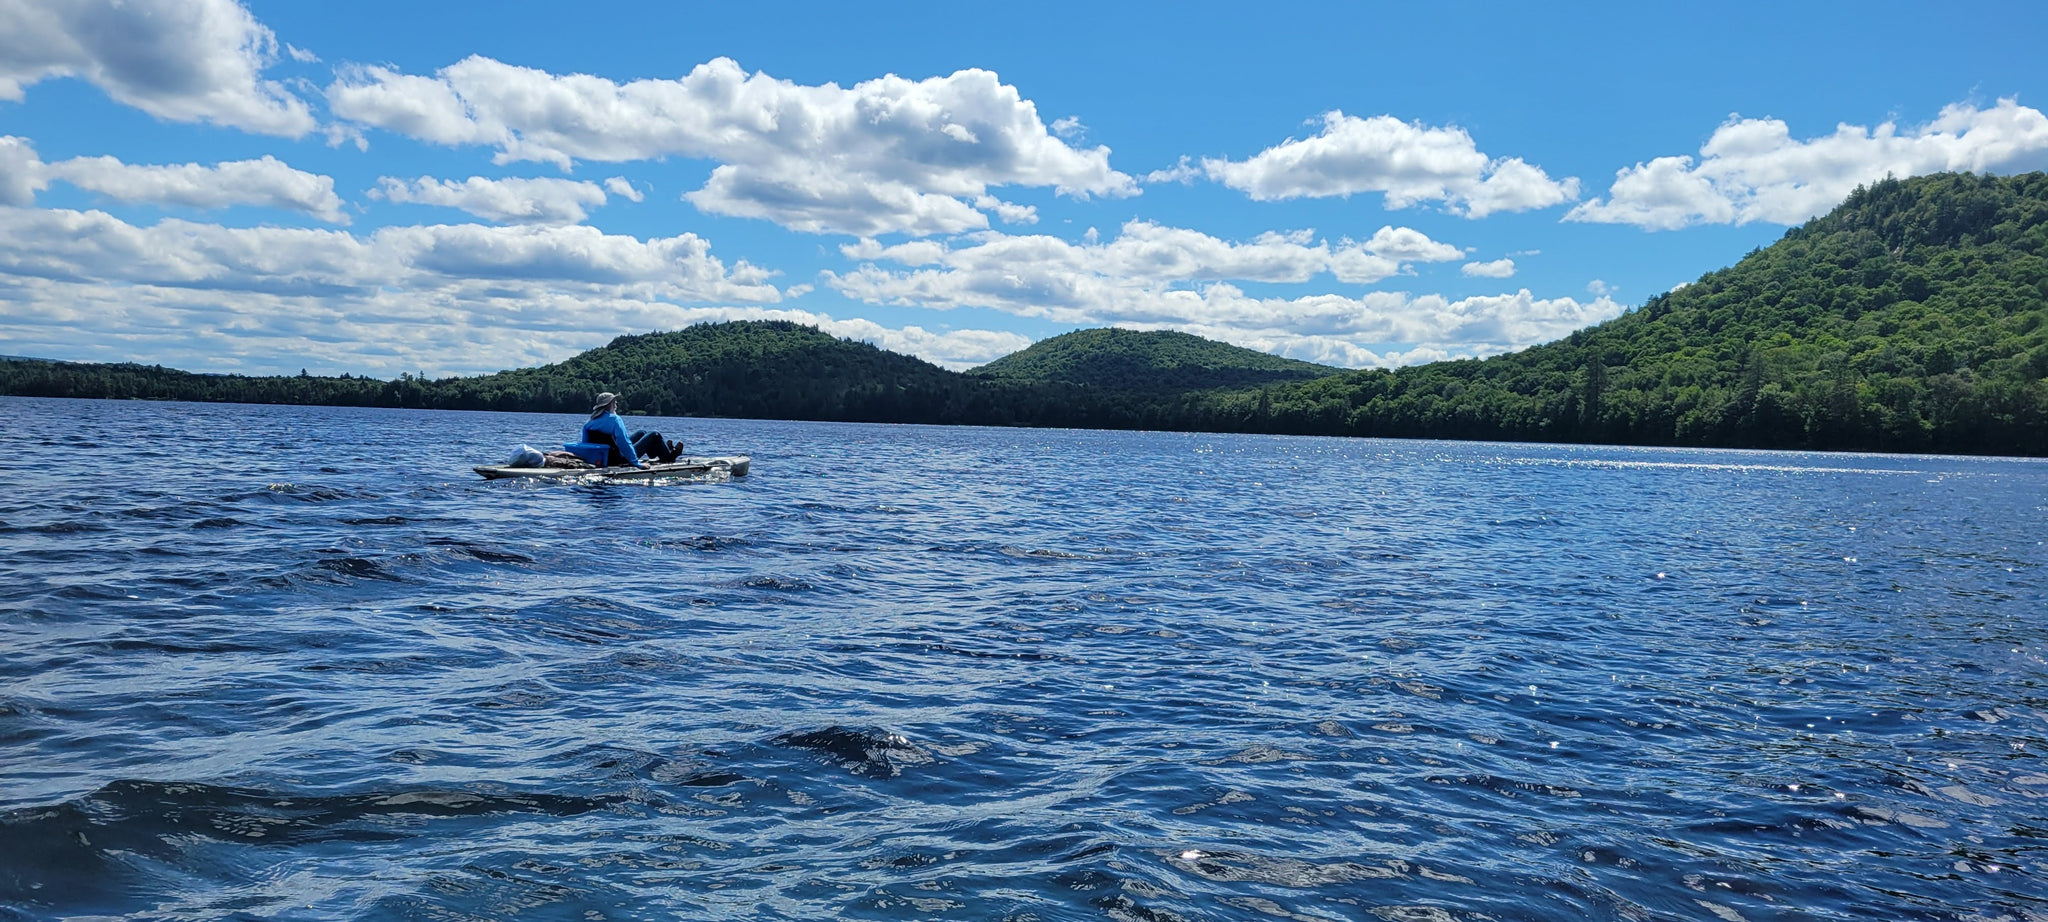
300, 662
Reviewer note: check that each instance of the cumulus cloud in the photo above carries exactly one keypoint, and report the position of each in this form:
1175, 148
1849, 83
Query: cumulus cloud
1754, 170
507, 201
179, 60
1492, 269
623, 188
1156, 277
1037, 269
21, 171
1408, 163
954, 349
367, 300
1185, 172
1664, 194
817, 200
59, 243
889, 155
466, 331
1385, 329
1410, 245
1373, 329
266, 182
1010, 212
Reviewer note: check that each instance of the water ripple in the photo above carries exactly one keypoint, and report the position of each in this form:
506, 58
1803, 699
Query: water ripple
910, 672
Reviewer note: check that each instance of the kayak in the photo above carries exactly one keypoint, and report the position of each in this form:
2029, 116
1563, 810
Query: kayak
680, 468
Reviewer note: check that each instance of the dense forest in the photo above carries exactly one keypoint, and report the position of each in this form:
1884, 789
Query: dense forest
1914, 317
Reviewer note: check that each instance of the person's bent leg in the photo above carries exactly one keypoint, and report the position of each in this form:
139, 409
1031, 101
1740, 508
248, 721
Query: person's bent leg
652, 445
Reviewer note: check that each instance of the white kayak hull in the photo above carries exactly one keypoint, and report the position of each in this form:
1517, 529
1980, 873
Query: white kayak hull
726, 465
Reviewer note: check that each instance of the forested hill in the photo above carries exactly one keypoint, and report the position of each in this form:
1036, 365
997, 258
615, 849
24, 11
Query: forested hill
772, 369
1130, 360
1914, 317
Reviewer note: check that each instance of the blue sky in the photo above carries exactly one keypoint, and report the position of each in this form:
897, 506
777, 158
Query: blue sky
454, 188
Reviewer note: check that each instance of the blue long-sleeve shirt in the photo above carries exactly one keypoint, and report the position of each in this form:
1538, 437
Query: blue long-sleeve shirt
615, 428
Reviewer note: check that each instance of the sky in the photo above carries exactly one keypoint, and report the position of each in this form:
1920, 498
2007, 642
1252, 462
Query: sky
461, 187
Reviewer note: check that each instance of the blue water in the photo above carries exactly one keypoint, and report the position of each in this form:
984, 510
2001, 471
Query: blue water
280, 662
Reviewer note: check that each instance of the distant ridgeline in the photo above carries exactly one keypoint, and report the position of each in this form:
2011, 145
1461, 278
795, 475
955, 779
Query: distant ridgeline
1914, 317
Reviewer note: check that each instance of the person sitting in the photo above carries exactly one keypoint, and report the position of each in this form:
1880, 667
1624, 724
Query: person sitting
605, 428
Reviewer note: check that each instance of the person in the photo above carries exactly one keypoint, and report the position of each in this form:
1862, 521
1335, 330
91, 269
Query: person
630, 449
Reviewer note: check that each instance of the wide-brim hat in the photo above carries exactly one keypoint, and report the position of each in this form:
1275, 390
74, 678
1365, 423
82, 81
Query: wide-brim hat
606, 399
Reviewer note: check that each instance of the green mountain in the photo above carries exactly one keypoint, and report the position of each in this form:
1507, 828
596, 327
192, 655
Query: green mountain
769, 369
1130, 360
1914, 317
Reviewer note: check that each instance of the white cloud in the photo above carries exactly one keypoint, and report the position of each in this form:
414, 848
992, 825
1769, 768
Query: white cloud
1408, 163
267, 182
623, 188
1664, 194
1513, 185
59, 243
1375, 329
1492, 269
1156, 277
1069, 127
459, 331
954, 349
1753, 170
1410, 245
180, 60
413, 296
1184, 172
1146, 256
889, 155
909, 253
507, 201
21, 171
1010, 212
1467, 328
818, 200
1387, 254
1355, 265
